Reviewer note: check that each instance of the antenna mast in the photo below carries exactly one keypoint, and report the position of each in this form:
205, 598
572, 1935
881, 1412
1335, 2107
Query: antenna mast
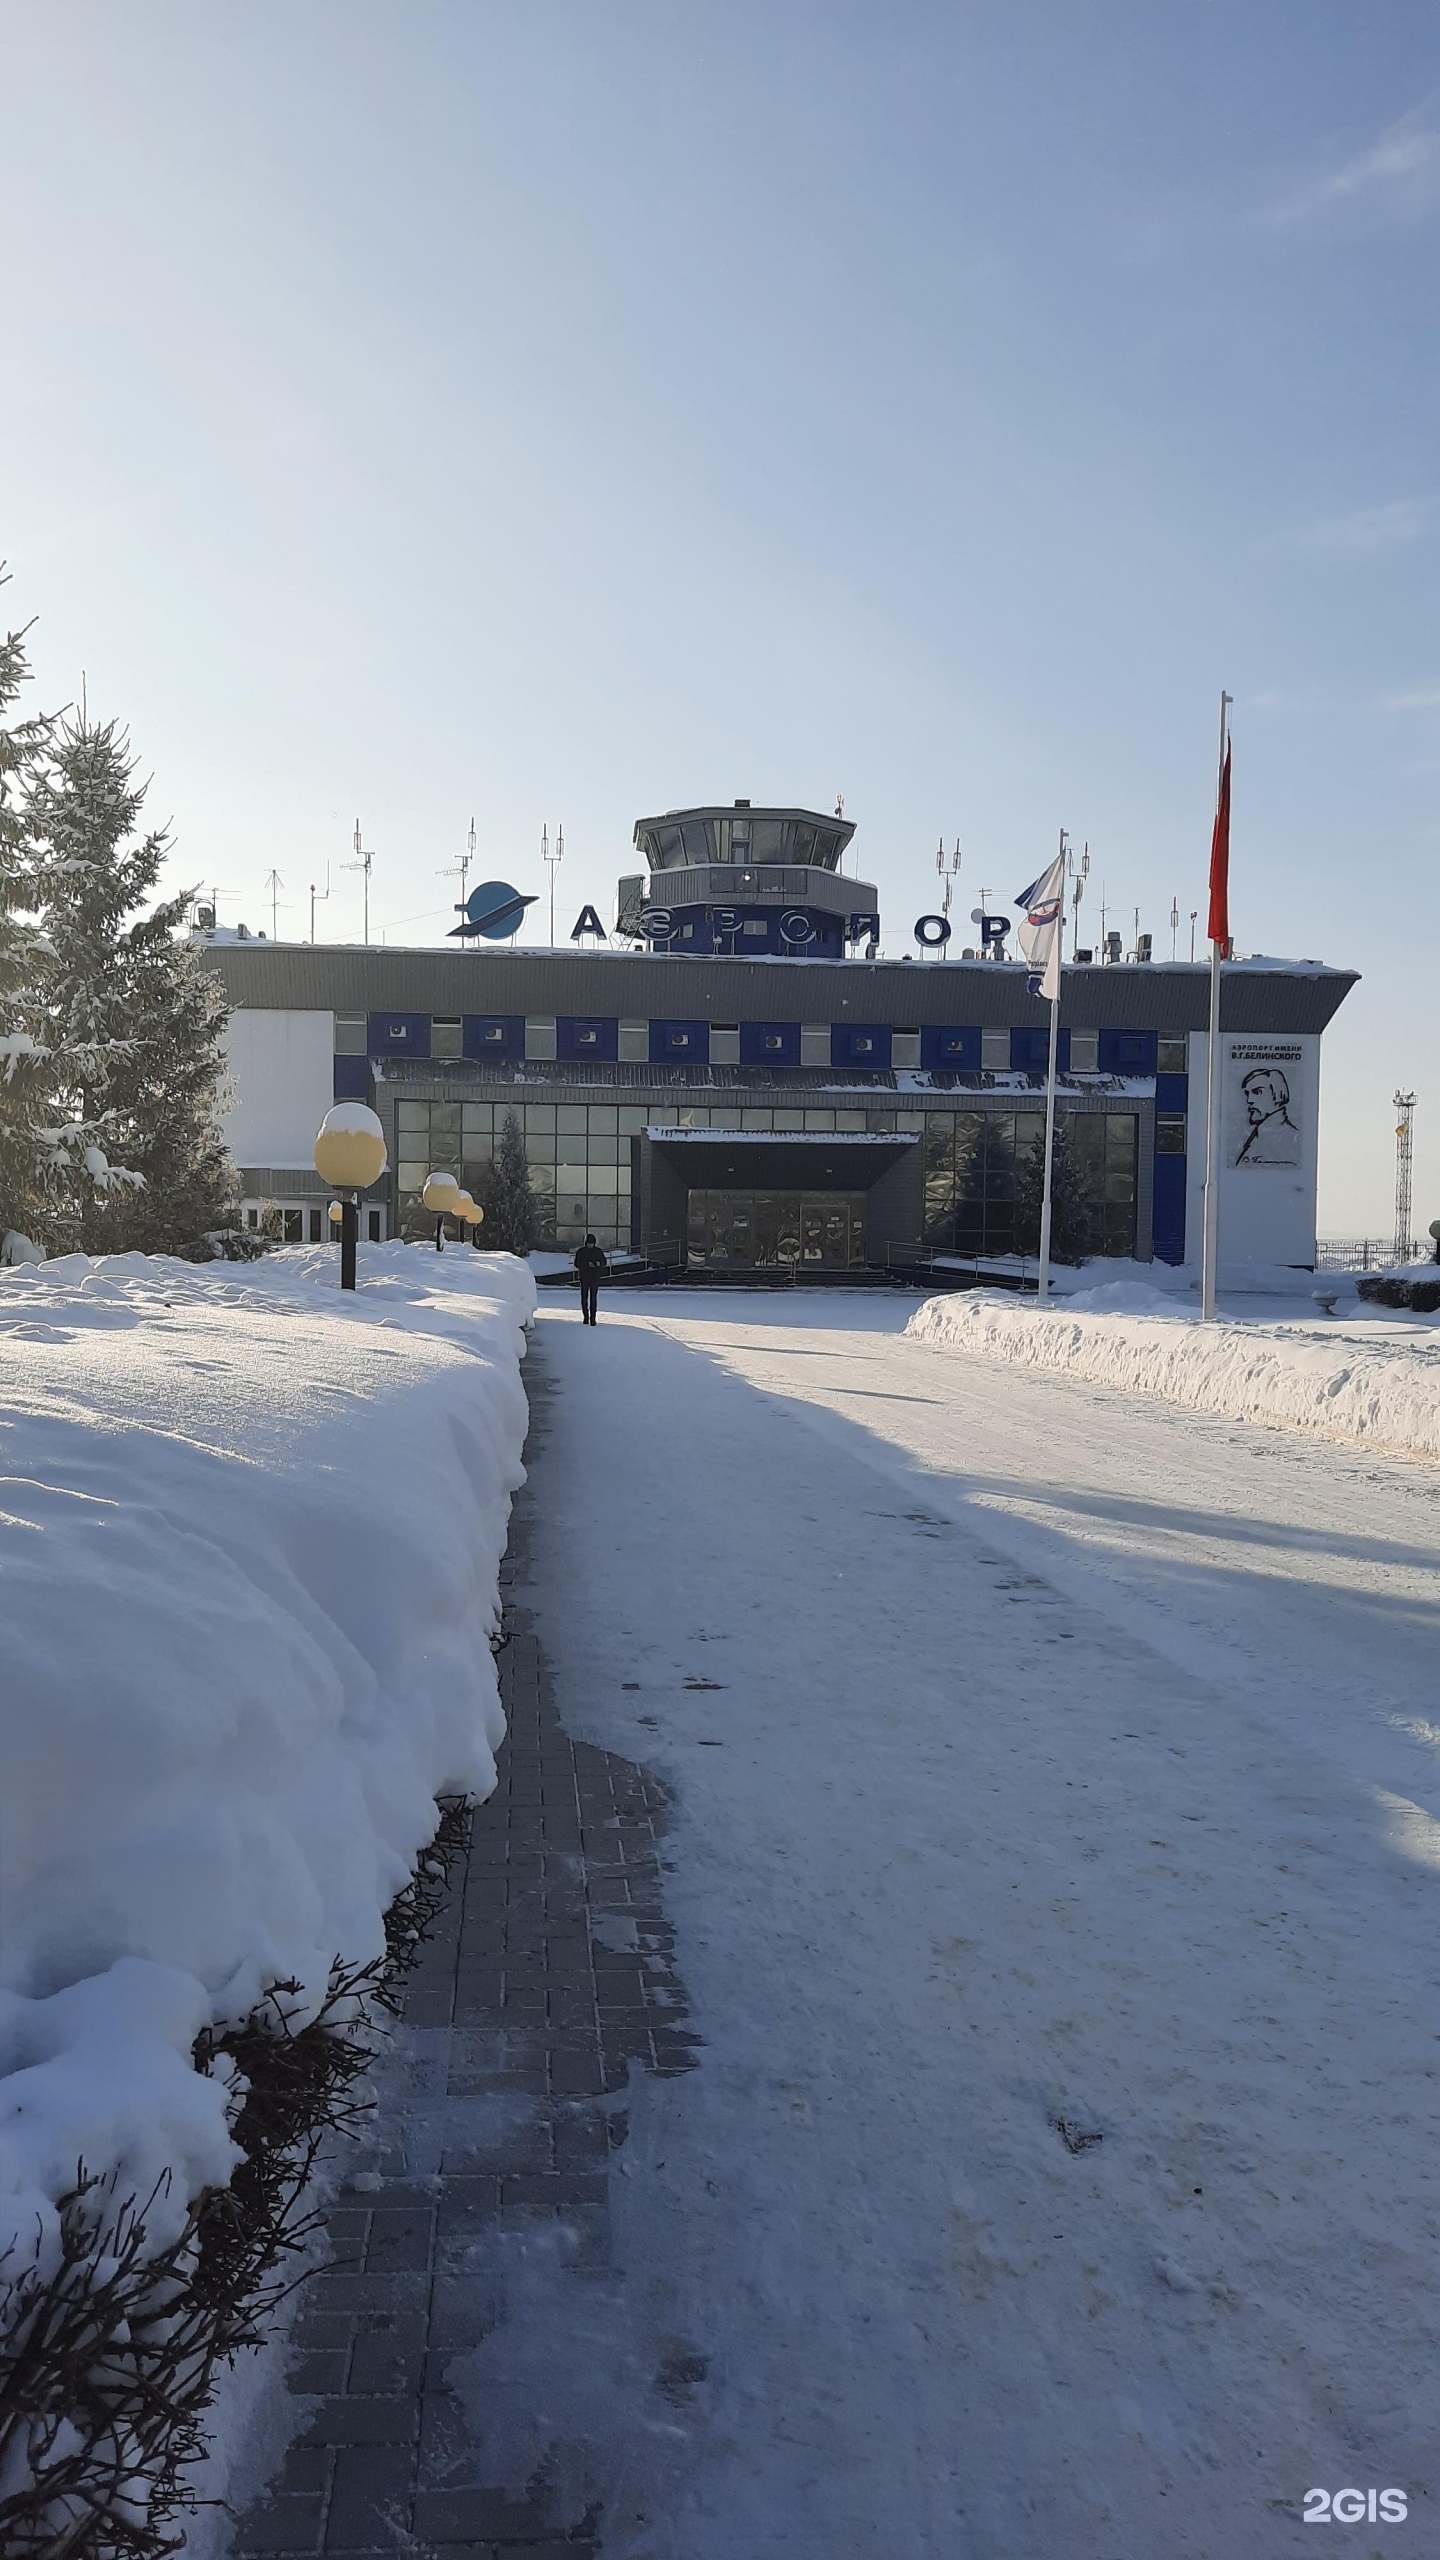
274, 884
948, 866
461, 870
362, 863
553, 862
1404, 1153
1081, 870
319, 895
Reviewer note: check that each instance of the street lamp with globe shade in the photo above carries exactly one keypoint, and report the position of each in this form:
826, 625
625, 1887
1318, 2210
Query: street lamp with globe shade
1435, 1232
350, 1155
441, 1196
474, 1217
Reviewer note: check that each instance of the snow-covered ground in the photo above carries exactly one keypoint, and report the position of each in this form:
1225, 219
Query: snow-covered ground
1044, 1754
249, 1538
1365, 1373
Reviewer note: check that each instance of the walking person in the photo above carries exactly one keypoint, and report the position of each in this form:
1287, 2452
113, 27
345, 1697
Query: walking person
591, 1267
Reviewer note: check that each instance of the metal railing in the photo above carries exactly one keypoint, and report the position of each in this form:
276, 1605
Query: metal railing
920, 1263
1357, 1253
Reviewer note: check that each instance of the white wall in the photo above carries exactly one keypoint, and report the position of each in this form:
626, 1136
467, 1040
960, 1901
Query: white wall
282, 1067
1267, 1172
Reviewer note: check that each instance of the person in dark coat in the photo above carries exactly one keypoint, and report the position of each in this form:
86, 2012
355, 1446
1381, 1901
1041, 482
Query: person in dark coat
591, 1266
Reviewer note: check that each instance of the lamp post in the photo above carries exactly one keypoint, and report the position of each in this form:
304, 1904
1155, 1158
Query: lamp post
350, 1155
441, 1196
473, 1215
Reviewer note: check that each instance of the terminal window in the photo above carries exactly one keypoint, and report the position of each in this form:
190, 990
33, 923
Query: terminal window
971, 1160
578, 1155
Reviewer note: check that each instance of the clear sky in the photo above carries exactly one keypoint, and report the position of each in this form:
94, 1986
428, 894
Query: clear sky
561, 410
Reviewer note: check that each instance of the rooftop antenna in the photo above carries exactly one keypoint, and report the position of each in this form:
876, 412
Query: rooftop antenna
319, 895
1174, 926
1404, 1153
362, 862
1136, 952
1082, 874
554, 861
461, 870
274, 884
1194, 913
948, 866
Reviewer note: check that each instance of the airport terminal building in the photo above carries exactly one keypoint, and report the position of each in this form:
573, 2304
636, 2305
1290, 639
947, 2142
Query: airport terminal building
733, 1080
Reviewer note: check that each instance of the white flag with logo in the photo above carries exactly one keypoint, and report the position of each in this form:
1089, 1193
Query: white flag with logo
1042, 927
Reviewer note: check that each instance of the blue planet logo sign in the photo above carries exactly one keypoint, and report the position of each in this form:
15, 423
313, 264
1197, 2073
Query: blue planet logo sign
494, 910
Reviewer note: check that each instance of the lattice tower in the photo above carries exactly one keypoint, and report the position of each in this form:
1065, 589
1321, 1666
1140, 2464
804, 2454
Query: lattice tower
1404, 1156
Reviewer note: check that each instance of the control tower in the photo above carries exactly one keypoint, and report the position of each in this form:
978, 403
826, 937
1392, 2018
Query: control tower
744, 883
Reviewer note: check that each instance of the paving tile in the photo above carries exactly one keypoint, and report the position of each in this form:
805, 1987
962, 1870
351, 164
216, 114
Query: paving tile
516, 2002
371, 2500
286, 2524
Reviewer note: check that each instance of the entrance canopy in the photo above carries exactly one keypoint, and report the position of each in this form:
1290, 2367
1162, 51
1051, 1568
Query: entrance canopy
783, 1160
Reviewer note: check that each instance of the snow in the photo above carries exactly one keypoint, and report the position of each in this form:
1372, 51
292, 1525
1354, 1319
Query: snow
1354, 1378
353, 1119
784, 1137
1073, 1757
250, 1532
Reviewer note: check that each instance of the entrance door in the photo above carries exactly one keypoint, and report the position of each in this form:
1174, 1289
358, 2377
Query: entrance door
819, 1232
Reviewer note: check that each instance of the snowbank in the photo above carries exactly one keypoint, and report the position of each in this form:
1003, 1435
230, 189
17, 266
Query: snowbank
250, 1533
1350, 1381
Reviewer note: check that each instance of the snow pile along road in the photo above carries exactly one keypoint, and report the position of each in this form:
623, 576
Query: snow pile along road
250, 1533
1351, 1381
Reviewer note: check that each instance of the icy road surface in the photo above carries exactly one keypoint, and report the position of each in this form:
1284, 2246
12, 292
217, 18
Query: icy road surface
1070, 1759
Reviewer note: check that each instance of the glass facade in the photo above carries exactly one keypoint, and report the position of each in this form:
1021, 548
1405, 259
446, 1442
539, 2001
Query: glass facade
776, 1230
578, 1152
579, 1157
970, 1159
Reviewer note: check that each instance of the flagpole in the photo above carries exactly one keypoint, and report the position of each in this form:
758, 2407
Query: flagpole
1210, 1238
1043, 1284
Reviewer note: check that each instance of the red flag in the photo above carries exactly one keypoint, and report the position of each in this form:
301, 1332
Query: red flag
1219, 925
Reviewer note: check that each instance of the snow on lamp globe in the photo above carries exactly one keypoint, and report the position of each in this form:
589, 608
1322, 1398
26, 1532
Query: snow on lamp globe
441, 1196
350, 1155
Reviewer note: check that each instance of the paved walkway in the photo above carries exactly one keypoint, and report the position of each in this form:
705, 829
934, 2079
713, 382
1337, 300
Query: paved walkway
1054, 1828
550, 1975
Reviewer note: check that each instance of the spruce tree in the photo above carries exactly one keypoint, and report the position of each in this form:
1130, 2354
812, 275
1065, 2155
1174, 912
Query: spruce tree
166, 1096
1075, 1210
505, 1195
137, 1024
27, 1150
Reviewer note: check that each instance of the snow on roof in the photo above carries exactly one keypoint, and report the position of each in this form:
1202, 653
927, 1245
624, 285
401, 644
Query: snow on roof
787, 1137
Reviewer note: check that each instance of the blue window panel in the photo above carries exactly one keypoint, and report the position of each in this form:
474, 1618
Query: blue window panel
1127, 1053
1030, 1052
1172, 1093
770, 1044
682, 1044
860, 1044
352, 1080
586, 1035
941, 1046
493, 1035
399, 1035
1169, 1230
